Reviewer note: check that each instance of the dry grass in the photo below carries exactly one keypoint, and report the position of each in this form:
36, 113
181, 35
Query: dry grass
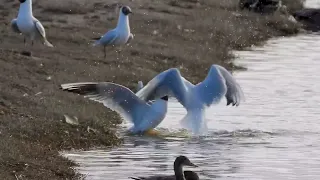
67, 6
190, 35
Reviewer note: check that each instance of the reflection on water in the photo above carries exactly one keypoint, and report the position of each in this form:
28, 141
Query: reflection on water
275, 134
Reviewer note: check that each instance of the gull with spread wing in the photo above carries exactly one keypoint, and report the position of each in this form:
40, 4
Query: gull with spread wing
144, 115
219, 83
28, 25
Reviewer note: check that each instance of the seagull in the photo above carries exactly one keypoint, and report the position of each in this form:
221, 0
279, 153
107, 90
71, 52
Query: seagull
28, 25
144, 115
121, 34
219, 83
179, 173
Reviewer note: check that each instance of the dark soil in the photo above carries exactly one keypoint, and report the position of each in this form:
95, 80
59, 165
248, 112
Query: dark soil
188, 34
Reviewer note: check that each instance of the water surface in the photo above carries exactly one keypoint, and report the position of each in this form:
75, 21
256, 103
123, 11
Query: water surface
275, 134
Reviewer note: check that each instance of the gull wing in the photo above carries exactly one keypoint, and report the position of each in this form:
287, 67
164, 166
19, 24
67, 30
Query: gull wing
169, 83
114, 96
218, 83
14, 26
42, 32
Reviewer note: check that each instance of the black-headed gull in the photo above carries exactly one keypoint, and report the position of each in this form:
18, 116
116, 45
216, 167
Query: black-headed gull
219, 83
144, 115
28, 25
121, 34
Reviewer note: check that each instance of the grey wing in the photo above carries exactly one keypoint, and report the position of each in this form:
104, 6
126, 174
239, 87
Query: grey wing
234, 93
14, 26
40, 28
42, 32
114, 96
169, 83
108, 38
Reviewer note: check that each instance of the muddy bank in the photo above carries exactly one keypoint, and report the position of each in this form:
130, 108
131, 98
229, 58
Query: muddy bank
188, 34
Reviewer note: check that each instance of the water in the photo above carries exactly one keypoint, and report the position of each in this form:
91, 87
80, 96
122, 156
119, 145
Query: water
275, 134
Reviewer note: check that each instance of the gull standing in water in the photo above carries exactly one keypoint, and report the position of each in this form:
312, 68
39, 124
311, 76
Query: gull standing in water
195, 98
28, 25
179, 174
121, 34
144, 115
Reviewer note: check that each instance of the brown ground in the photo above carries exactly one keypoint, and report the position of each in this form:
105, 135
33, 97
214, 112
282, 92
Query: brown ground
187, 34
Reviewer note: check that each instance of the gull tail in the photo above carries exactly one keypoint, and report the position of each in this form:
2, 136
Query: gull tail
47, 43
195, 122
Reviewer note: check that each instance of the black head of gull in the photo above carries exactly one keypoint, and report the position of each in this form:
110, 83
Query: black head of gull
126, 10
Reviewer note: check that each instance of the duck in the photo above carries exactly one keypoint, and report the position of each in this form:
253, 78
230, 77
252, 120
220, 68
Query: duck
179, 174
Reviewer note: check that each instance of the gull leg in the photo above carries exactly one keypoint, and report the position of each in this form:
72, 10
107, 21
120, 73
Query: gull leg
152, 132
104, 51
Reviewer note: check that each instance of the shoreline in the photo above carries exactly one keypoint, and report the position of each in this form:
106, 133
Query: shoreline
189, 35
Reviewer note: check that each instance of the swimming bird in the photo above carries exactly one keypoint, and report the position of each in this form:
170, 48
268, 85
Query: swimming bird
28, 25
144, 115
179, 173
121, 34
219, 83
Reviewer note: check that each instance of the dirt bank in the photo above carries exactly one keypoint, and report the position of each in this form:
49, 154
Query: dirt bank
187, 34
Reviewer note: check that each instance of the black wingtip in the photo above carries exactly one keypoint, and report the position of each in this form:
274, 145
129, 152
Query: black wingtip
229, 102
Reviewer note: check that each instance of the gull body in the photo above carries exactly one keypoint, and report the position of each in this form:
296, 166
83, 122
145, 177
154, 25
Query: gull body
179, 174
28, 25
121, 34
144, 115
219, 83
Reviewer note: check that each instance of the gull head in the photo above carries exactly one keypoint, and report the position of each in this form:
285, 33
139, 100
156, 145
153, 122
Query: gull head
126, 10
22, 1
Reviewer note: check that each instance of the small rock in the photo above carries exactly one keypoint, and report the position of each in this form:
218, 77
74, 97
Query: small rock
70, 120
38, 93
89, 129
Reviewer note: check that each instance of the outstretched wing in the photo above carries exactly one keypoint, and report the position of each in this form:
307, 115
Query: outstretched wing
14, 26
218, 83
114, 96
166, 83
234, 93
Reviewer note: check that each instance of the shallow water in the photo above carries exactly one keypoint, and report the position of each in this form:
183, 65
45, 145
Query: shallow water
275, 134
